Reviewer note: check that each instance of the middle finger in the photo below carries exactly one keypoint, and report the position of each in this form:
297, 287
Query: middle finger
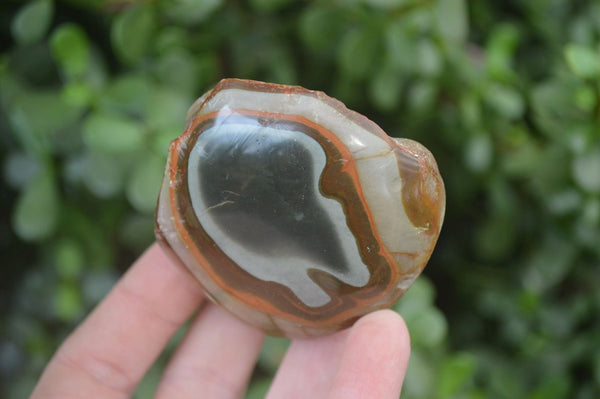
214, 360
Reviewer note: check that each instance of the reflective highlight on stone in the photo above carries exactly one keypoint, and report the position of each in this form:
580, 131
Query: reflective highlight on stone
293, 212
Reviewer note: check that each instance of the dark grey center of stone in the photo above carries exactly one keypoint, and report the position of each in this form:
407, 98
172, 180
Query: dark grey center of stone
259, 187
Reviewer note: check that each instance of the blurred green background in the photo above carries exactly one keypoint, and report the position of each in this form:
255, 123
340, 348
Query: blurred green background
506, 94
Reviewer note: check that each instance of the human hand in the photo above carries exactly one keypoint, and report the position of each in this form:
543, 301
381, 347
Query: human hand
109, 353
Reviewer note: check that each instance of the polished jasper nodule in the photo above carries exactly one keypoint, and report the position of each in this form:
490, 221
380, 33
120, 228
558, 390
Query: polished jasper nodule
293, 212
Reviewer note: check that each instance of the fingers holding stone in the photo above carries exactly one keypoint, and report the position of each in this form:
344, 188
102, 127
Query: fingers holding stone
368, 360
309, 367
111, 350
214, 360
375, 358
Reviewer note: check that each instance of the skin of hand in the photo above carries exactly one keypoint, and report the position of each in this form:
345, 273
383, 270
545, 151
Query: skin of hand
109, 353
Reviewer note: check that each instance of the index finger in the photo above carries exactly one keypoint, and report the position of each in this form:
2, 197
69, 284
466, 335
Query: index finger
110, 352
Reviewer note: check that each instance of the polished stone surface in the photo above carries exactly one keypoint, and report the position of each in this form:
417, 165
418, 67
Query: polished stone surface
293, 212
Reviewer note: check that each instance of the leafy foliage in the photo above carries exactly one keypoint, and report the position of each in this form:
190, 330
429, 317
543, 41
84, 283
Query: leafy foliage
505, 94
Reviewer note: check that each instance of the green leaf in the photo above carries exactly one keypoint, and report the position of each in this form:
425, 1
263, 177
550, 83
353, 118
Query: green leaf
419, 375
505, 381
591, 212
452, 20
470, 110
144, 184
127, 93
147, 387
500, 51
456, 372
132, 32
272, 353
32, 21
185, 79
38, 118
321, 28
78, 94
552, 104
583, 61
137, 231
475, 394
428, 329
524, 157
495, 238
281, 65
104, 175
401, 49
20, 169
190, 12
417, 299
167, 108
259, 388
429, 60
68, 258
557, 387
586, 170
270, 5
585, 98
496, 235
385, 88
91, 232
479, 153
388, 4
506, 100
564, 202
162, 140
597, 368
67, 302
37, 210
112, 134
422, 95
357, 53
96, 283
549, 263
71, 50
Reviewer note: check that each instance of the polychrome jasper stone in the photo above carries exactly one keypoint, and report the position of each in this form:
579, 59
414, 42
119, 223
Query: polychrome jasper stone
293, 212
